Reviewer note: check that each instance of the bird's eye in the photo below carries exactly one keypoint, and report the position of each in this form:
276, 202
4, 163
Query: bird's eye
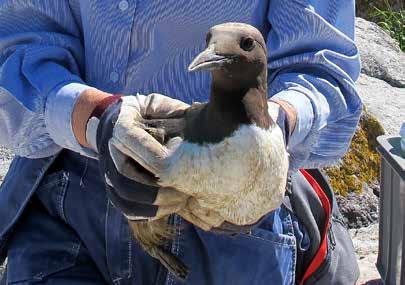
247, 44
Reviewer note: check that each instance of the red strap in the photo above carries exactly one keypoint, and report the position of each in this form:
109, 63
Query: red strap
323, 248
100, 108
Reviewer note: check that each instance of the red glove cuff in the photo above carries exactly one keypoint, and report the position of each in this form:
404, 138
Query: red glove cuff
85, 106
103, 105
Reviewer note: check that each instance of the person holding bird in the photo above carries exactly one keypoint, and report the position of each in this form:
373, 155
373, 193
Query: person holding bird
197, 170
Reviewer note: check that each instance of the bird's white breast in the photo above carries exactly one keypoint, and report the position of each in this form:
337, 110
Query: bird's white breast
242, 178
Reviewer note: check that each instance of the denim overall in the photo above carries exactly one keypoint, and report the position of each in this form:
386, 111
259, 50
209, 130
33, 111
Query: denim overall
57, 227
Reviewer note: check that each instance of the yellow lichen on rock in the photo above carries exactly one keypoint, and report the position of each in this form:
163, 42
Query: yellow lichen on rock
362, 163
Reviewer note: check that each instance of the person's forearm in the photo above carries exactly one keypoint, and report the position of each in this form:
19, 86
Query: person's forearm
313, 65
59, 117
325, 122
84, 107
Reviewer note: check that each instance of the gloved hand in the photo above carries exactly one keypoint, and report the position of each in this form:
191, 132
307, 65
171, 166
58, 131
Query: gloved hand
116, 132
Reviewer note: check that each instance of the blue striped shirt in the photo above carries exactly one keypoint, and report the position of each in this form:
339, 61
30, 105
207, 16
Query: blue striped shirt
51, 50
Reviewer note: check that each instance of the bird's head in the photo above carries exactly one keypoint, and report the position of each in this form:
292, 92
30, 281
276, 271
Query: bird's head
235, 52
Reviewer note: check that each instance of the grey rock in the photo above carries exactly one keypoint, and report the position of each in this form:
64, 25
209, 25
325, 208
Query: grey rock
382, 89
385, 102
380, 54
365, 241
359, 210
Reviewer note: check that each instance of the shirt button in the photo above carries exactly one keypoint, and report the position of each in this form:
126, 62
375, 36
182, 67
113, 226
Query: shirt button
114, 76
123, 5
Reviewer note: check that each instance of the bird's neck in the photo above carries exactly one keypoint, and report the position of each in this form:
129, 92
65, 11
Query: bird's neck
240, 102
227, 110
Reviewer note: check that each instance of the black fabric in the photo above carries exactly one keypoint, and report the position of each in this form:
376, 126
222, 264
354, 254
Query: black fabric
132, 197
129, 189
308, 208
130, 208
286, 129
340, 265
323, 182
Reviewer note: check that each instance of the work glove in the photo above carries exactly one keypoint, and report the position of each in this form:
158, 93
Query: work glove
128, 154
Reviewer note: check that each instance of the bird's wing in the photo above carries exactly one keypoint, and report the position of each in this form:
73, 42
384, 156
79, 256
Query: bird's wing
165, 129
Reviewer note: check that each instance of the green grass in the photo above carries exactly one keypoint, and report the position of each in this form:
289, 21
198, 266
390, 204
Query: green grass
392, 20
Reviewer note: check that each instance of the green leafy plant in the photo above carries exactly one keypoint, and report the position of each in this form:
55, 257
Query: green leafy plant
365, 7
392, 20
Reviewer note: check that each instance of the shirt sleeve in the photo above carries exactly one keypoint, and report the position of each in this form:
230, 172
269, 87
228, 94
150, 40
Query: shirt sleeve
313, 64
40, 52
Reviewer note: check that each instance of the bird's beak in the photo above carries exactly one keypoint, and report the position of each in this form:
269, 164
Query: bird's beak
208, 60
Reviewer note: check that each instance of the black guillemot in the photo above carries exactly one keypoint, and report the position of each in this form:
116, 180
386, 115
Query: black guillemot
231, 157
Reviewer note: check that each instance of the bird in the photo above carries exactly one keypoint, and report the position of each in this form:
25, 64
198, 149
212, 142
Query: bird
224, 152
